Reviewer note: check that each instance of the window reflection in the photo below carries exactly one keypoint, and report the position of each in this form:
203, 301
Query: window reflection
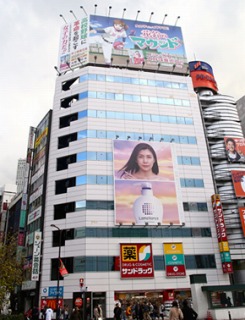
143, 82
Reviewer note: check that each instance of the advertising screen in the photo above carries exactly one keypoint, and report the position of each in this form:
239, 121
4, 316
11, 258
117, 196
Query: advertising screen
145, 189
135, 43
235, 149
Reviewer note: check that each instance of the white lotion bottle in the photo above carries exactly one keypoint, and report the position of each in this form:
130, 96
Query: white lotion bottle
147, 208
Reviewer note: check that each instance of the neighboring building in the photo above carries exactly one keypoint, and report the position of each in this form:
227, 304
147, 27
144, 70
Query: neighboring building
38, 150
226, 146
20, 174
7, 192
113, 247
240, 104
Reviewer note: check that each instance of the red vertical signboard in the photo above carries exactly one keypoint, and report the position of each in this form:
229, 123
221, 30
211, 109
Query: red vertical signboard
221, 234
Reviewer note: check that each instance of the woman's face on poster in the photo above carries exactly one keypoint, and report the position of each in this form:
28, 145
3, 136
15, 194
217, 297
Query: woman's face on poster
145, 160
230, 146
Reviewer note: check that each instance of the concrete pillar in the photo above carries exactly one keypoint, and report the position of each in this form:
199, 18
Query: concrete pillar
199, 298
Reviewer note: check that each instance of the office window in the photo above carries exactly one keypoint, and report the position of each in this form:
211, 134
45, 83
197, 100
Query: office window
191, 183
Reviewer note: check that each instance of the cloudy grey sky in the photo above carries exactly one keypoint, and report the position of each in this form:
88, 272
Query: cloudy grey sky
213, 32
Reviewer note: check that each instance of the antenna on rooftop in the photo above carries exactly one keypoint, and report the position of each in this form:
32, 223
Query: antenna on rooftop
95, 7
165, 16
137, 15
123, 12
109, 12
58, 73
63, 18
151, 16
84, 10
73, 14
177, 20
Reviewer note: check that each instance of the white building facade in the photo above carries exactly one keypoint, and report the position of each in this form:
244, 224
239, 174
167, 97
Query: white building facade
102, 105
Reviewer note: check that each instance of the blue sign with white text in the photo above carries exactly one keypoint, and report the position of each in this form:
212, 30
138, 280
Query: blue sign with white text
52, 292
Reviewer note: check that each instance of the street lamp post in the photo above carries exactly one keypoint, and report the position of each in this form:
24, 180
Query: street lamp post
58, 272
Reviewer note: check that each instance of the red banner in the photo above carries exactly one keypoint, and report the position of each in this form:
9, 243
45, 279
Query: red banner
62, 269
219, 218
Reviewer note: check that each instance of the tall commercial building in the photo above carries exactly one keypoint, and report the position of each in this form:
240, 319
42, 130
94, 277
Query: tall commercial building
128, 199
226, 144
33, 209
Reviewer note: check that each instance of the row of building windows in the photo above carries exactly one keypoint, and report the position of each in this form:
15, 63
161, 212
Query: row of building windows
134, 116
131, 232
133, 98
137, 81
60, 210
63, 162
62, 185
107, 264
64, 141
192, 161
104, 179
195, 206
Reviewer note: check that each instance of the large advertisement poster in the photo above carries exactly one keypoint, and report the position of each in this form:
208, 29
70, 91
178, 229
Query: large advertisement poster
235, 149
238, 178
135, 43
136, 260
145, 189
242, 218
73, 50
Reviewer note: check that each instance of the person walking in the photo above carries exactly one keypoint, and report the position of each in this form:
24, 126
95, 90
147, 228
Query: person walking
49, 314
97, 314
117, 312
175, 312
188, 312
76, 314
35, 313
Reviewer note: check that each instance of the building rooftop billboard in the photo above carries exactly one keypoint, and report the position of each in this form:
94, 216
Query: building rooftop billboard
122, 42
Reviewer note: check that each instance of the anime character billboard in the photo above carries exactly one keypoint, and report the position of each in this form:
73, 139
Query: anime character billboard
135, 43
121, 42
145, 186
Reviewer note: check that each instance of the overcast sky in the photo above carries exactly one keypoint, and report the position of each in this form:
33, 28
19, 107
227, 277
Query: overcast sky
213, 32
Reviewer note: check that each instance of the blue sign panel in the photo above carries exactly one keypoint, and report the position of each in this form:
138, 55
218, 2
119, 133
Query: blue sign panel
52, 292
